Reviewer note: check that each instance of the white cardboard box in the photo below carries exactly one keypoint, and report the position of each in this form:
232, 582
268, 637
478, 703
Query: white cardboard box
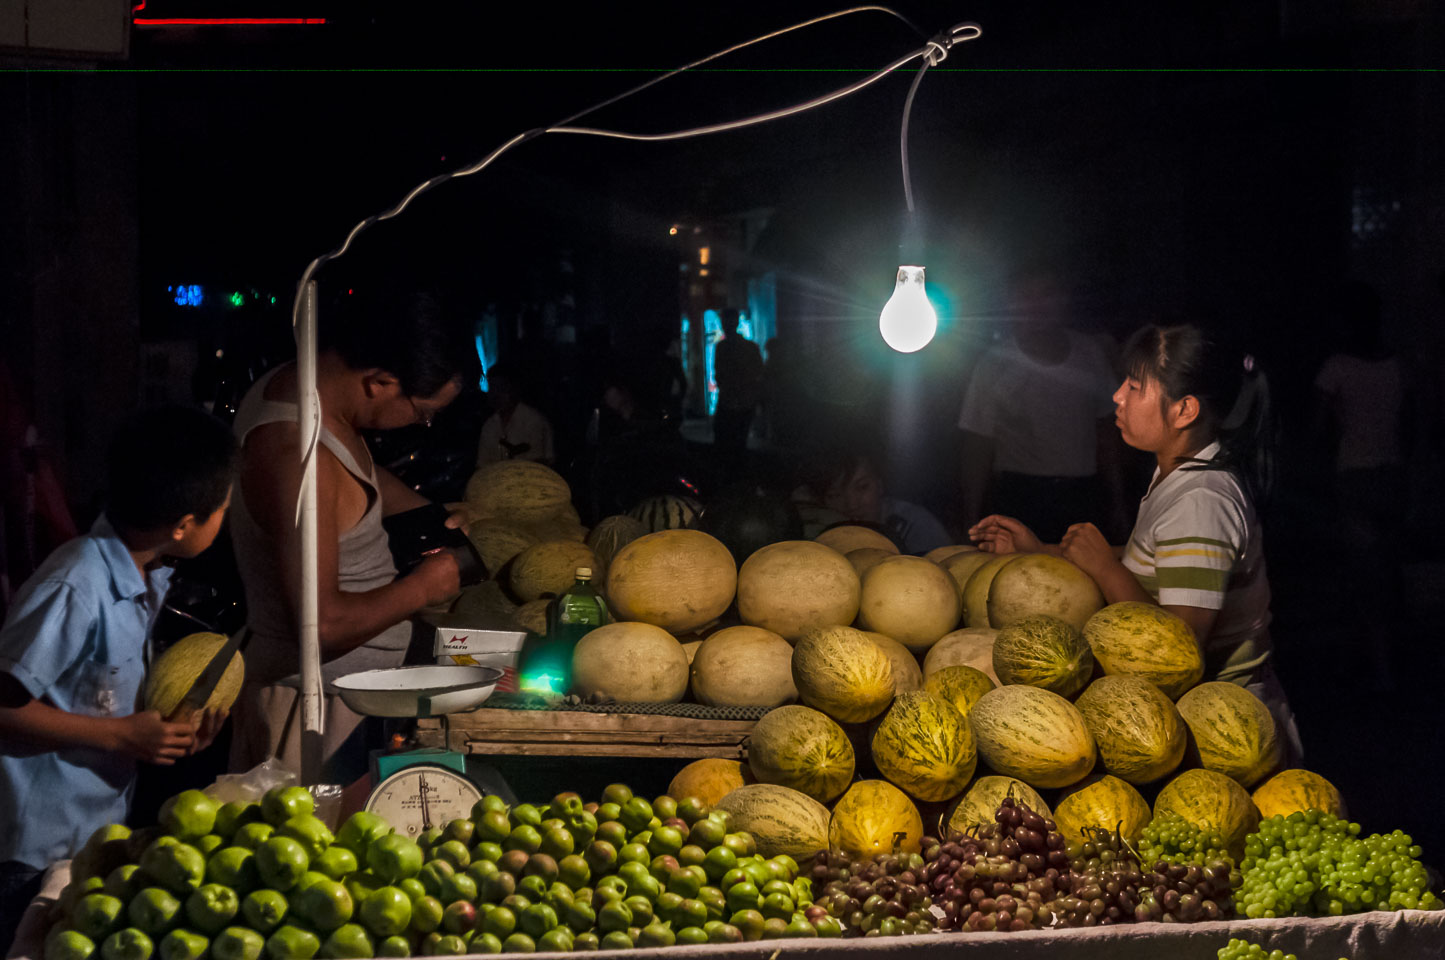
487, 648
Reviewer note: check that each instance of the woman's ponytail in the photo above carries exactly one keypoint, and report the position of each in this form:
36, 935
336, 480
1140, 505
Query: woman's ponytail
1246, 434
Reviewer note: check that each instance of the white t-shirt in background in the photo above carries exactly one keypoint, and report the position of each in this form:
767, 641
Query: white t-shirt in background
527, 426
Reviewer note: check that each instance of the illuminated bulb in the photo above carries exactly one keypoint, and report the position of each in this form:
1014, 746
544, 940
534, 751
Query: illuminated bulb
908, 320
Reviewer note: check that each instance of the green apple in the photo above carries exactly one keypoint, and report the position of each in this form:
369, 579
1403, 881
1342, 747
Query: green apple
460, 830
282, 803
362, 884
124, 881
459, 917
69, 945
209, 844
264, 909
234, 815
281, 862
127, 944
212, 907
237, 943
153, 911
397, 946
307, 830
454, 852
233, 867
432, 875
359, 830
336, 862
96, 915
482, 942
325, 904
252, 835
426, 915
189, 815
182, 944
348, 941
76, 889
412, 887
290, 942
394, 857
107, 848
386, 912
450, 945
307, 879
458, 886
179, 867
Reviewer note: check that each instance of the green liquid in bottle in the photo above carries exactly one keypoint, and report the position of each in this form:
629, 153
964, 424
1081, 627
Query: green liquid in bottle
548, 664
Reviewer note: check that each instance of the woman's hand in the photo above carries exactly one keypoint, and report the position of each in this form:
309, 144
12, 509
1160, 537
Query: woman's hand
1086, 548
997, 533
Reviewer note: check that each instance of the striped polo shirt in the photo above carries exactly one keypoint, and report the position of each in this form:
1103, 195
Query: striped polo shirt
1197, 543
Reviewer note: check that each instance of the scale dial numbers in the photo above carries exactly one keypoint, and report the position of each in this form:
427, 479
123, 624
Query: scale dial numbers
418, 798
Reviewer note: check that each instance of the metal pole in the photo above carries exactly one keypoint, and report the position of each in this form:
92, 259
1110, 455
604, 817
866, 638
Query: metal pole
308, 406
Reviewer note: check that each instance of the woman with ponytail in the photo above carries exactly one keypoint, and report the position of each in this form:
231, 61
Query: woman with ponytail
1196, 549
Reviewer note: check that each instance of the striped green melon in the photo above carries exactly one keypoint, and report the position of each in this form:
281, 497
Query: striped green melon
1033, 735
781, 820
1293, 790
666, 512
925, 746
1042, 651
960, 686
1140, 735
1212, 802
843, 673
907, 675
982, 800
177, 669
610, 535
516, 491
799, 747
1104, 803
1041, 583
1142, 640
875, 818
1231, 731
547, 569
498, 542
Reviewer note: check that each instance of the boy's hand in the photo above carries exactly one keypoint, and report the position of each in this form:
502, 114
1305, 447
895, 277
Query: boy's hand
207, 726
439, 577
997, 533
147, 736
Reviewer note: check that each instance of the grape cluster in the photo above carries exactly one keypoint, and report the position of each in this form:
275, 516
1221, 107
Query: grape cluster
1244, 950
1170, 837
881, 897
1313, 864
1108, 885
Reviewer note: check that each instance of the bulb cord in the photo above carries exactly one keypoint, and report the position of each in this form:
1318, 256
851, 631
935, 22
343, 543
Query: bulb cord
933, 54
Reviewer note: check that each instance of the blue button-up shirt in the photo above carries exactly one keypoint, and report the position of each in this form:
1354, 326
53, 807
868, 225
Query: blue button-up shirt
77, 637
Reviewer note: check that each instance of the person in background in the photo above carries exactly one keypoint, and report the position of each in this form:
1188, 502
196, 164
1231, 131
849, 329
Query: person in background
1361, 403
1196, 549
388, 360
75, 647
1037, 440
847, 482
738, 370
515, 430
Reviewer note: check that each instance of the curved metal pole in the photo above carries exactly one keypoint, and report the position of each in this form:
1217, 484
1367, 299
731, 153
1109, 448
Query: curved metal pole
308, 421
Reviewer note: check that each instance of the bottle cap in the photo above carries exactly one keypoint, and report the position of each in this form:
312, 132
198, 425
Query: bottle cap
584, 571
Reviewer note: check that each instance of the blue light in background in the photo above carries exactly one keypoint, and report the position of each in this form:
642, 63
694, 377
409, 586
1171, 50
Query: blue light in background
188, 296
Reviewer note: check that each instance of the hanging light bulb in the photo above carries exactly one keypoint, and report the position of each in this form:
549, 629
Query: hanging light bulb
908, 321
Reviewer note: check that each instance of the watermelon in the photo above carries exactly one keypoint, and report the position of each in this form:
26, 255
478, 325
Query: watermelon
1143, 640
516, 491
801, 748
1293, 790
981, 802
909, 599
631, 663
841, 672
960, 686
873, 818
177, 669
1033, 735
925, 746
666, 512
907, 675
975, 589
675, 579
545, 570
1040, 583
1231, 731
969, 647
709, 780
1212, 802
610, 535
793, 586
781, 820
743, 667
1042, 651
1103, 803
1140, 735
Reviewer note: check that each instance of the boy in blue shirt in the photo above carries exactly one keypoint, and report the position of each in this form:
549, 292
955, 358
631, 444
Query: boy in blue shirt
75, 647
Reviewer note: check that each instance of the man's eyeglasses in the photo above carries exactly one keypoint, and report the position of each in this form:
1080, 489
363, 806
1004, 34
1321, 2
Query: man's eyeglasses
423, 417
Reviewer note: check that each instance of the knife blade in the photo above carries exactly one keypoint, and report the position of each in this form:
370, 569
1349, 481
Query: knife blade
205, 683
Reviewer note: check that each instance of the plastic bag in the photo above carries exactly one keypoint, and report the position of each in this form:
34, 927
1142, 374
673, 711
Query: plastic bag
253, 784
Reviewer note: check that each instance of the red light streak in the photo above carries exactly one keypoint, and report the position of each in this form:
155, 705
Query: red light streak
225, 21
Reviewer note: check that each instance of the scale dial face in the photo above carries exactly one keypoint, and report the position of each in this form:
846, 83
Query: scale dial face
417, 798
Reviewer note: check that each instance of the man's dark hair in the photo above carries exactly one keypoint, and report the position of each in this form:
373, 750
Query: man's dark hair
167, 462
415, 336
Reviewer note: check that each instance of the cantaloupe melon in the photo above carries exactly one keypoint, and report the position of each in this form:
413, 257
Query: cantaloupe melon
794, 586
545, 570
843, 673
907, 675
1033, 735
1213, 803
1140, 735
981, 802
1042, 651
744, 667
558, 528
866, 558
909, 599
532, 616
1231, 731
874, 818
960, 566
675, 579
631, 663
176, 670
960, 685
1290, 791
940, 554
802, 748
710, 779
1040, 583
782, 820
925, 746
1102, 803
1136, 639
610, 535
516, 491
976, 587
847, 538
498, 542
969, 647
690, 648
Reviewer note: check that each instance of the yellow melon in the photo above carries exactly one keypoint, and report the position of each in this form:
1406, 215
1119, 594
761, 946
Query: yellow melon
631, 663
675, 579
498, 542
907, 675
1042, 584
799, 747
909, 599
744, 667
866, 558
940, 554
710, 779
960, 685
981, 801
843, 673
547, 569
1102, 803
969, 647
517, 491
794, 586
975, 589
1292, 790
175, 670
847, 538
874, 818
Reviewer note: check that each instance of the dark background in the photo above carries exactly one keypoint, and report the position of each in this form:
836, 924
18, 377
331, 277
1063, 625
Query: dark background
1229, 163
